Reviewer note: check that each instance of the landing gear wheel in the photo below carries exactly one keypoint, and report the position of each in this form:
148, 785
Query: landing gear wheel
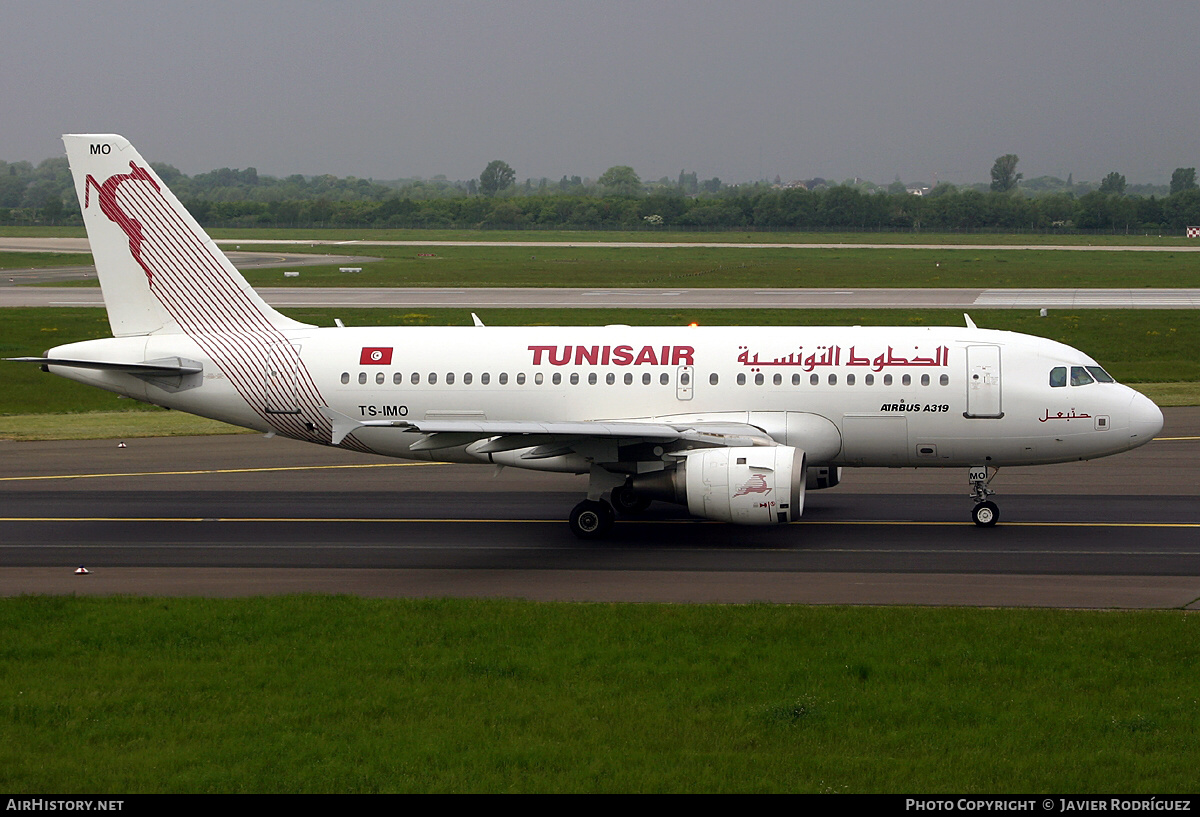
628, 502
591, 519
986, 514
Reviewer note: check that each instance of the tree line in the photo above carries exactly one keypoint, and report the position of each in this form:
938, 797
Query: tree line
618, 199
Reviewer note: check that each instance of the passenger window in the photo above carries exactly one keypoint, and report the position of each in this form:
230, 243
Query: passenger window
537, 379
849, 380
833, 379
869, 380
758, 379
1080, 377
887, 380
521, 379
1100, 375
379, 379
741, 378
628, 379
713, 379
466, 378
574, 378
906, 380
556, 379
795, 380
924, 380
777, 380
646, 379
1058, 377
503, 378
449, 378
944, 380
416, 378
813, 379
362, 378
591, 378
485, 378
610, 378
432, 378
397, 379
664, 378
345, 378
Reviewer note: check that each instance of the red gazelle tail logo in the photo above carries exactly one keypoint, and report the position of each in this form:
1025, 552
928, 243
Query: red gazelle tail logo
106, 195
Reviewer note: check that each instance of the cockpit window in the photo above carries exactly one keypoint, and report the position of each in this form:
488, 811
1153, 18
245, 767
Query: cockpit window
1058, 376
1080, 377
1100, 375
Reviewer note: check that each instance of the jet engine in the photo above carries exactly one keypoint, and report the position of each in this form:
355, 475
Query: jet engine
746, 486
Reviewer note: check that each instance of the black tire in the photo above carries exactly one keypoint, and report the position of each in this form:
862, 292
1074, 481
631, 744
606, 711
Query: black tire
627, 502
986, 514
591, 519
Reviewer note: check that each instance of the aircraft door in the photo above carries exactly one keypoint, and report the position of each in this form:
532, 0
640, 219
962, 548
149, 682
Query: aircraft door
282, 390
683, 382
983, 382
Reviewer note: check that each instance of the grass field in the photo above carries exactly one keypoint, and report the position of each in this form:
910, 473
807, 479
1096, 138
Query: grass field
336, 694
675, 236
40, 260
464, 266
110, 425
749, 268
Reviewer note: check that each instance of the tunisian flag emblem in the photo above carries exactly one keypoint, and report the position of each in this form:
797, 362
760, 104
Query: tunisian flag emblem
375, 356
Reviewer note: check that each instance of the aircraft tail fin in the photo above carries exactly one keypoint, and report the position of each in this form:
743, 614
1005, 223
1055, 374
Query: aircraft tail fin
158, 268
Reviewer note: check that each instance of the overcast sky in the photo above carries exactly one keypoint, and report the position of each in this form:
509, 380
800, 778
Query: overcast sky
741, 90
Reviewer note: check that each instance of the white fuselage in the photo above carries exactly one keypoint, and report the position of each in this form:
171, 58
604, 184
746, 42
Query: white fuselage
852, 396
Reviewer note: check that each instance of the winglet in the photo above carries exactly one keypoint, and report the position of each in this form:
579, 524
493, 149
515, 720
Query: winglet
475, 318
970, 323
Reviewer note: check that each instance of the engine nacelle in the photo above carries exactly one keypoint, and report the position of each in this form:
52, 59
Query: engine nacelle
746, 486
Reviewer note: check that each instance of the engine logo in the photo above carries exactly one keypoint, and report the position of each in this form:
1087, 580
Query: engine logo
757, 484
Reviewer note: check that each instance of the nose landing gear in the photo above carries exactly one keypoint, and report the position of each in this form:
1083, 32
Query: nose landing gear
986, 513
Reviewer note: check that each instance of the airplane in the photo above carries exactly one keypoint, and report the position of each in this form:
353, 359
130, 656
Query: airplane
735, 423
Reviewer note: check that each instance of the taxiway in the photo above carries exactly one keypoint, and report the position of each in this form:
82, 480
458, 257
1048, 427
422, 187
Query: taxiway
241, 515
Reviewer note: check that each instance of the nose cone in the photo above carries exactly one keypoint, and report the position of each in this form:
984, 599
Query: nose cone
1145, 419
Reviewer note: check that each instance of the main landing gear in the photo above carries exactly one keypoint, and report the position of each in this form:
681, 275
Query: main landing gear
593, 518
986, 513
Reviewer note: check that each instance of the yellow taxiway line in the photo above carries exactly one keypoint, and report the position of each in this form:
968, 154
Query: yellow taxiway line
219, 471
429, 520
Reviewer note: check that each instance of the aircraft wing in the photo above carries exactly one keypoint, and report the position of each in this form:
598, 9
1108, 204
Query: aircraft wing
553, 438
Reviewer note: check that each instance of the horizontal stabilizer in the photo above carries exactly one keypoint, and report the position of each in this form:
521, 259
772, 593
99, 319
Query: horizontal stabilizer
169, 367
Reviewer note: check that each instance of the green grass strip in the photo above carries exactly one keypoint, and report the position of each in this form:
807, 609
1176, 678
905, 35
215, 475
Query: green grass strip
249, 234
39, 260
106, 425
339, 694
583, 266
